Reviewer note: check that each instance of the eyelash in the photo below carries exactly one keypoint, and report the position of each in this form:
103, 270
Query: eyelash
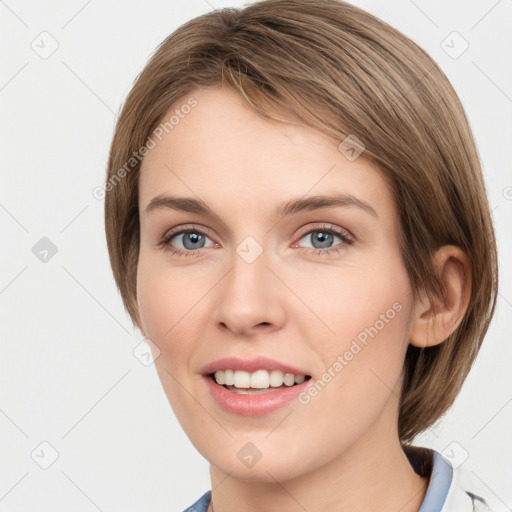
165, 243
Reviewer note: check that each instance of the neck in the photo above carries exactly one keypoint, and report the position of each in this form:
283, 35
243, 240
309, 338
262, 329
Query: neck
368, 476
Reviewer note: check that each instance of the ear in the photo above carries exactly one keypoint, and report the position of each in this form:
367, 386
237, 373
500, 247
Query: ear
433, 322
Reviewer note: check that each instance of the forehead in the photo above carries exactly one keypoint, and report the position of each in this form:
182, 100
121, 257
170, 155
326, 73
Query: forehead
222, 149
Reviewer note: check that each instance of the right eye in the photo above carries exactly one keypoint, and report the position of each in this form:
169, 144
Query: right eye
186, 241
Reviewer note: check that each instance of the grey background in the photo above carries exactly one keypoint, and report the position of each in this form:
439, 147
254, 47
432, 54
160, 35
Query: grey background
68, 375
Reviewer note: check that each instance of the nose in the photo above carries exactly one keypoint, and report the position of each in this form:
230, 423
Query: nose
250, 298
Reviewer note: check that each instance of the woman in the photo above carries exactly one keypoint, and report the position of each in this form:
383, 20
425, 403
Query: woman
297, 222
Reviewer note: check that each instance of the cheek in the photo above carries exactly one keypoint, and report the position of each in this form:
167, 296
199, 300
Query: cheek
155, 306
355, 299
368, 316
165, 307
172, 312
363, 360
160, 305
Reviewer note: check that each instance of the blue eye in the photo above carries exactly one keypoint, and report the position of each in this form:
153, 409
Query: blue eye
188, 242
323, 238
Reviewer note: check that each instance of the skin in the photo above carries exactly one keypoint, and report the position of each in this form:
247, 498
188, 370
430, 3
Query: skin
294, 303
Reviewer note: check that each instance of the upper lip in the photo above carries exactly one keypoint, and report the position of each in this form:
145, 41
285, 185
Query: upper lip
250, 365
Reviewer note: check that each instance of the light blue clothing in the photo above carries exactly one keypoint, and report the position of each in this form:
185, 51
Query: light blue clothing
201, 504
440, 481
449, 489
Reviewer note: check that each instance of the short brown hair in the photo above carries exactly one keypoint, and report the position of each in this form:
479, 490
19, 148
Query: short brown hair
340, 70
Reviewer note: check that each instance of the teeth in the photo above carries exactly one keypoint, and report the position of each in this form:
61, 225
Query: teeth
260, 379
242, 379
276, 378
289, 379
229, 377
220, 377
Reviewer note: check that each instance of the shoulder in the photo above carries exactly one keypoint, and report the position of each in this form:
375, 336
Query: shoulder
451, 488
201, 504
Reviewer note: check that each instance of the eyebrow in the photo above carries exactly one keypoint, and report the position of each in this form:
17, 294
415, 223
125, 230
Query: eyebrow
293, 206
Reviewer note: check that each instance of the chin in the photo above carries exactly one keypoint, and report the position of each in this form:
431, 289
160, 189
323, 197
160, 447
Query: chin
268, 463
263, 471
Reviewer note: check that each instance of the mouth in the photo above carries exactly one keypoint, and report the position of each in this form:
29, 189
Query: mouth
254, 387
242, 399
258, 382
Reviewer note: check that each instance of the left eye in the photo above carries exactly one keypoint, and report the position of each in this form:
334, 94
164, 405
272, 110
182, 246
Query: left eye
322, 238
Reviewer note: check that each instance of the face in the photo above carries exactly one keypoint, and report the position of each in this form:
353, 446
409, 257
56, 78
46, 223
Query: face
265, 251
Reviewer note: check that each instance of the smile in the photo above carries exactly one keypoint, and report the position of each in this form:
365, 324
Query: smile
260, 381
253, 387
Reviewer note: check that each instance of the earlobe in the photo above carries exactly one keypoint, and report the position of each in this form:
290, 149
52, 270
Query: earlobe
434, 320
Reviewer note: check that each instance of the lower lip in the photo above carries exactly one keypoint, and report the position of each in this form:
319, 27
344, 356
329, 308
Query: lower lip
253, 405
